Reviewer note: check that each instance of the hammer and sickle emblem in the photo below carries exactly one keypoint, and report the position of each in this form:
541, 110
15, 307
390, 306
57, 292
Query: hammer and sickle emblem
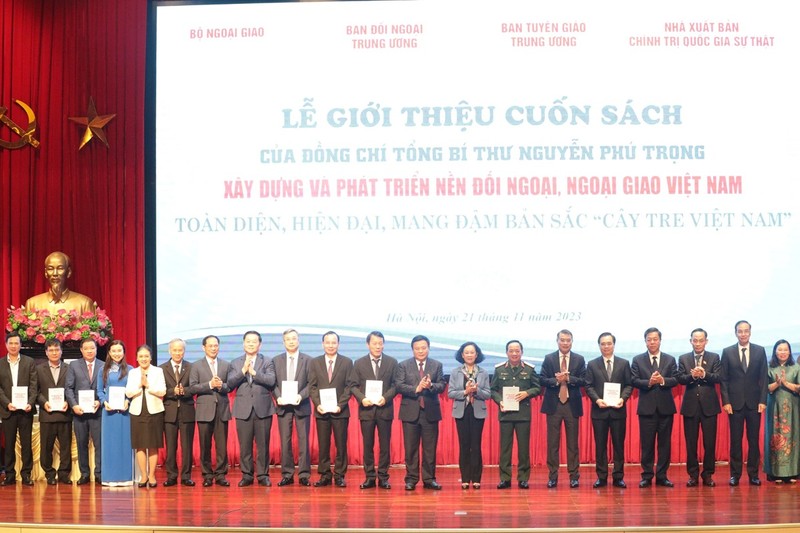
25, 135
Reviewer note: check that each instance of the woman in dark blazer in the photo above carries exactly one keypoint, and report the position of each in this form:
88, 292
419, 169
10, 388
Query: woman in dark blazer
469, 389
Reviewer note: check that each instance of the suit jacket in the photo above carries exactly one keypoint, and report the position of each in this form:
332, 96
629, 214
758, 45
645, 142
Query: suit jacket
456, 390
739, 388
255, 395
596, 377
577, 379
177, 409
209, 403
281, 362
362, 371
155, 386
407, 379
45, 381
658, 398
26, 377
700, 395
318, 379
78, 379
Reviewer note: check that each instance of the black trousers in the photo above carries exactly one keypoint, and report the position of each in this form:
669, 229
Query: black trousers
49, 432
470, 435
185, 432
691, 429
338, 427
738, 420
563, 415
422, 431
602, 428
384, 429
22, 423
651, 428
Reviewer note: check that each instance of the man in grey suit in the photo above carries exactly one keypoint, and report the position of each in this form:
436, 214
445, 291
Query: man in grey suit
212, 410
252, 376
55, 421
178, 415
743, 386
17, 370
420, 380
331, 371
292, 365
699, 372
375, 415
82, 376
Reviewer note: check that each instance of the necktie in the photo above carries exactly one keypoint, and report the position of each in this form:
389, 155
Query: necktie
655, 364
421, 375
89, 366
563, 394
744, 359
697, 359
608, 368
290, 373
376, 366
214, 367
177, 374
249, 376
330, 370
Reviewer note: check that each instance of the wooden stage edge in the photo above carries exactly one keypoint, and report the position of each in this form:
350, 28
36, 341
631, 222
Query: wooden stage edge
294, 508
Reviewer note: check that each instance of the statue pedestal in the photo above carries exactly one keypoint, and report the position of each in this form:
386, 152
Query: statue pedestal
69, 350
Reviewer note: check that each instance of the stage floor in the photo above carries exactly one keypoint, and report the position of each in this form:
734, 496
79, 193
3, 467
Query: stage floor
350, 508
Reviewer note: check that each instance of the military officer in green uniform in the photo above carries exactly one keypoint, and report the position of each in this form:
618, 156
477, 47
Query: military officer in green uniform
515, 373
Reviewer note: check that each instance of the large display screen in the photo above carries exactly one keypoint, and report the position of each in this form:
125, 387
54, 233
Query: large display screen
478, 171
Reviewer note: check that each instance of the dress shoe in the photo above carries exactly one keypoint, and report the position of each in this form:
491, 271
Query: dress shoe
464, 486
141, 484
600, 483
170, 482
734, 481
208, 482
83, 481
692, 482
322, 482
285, 481
708, 482
65, 481
27, 481
368, 484
9, 481
410, 486
188, 483
664, 483
504, 485
245, 482
152, 484
523, 485
643, 484
384, 485
619, 483
305, 482
755, 481
432, 485
340, 482
222, 482
476, 486
573, 484
51, 481
265, 482
552, 483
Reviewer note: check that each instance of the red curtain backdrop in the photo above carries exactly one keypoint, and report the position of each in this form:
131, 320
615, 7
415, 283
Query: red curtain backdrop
54, 56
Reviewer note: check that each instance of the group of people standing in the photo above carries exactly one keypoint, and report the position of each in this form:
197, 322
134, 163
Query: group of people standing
123, 410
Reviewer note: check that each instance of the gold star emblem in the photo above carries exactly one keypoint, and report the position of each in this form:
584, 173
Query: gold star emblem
94, 124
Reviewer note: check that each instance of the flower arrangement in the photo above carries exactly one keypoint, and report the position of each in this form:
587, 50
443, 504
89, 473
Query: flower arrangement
40, 325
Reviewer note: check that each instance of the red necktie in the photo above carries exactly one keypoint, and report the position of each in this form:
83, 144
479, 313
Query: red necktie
421, 375
563, 395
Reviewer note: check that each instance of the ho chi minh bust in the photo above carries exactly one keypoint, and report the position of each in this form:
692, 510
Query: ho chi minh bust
57, 269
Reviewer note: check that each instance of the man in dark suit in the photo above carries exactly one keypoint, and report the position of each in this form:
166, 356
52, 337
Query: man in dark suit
375, 415
17, 370
420, 380
82, 375
563, 374
515, 373
609, 416
55, 421
292, 365
331, 372
212, 410
699, 372
653, 374
252, 376
178, 415
743, 386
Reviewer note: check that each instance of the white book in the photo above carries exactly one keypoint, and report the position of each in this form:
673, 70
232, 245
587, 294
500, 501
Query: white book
510, 402
55, 397
86, 400
289, 392
328, 399
19, 397
611, 392
374, 390
116, 398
